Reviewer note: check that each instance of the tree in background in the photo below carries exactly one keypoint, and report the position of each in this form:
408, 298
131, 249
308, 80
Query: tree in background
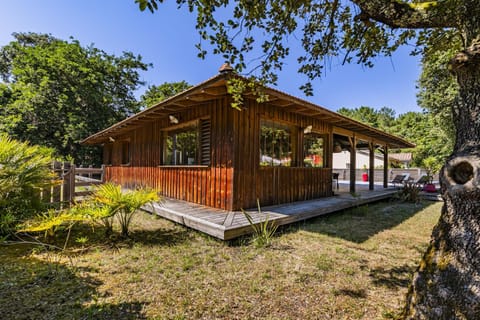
438, 90
56, 93
382, 119
447, 282
422, 128
431, 139
155, 94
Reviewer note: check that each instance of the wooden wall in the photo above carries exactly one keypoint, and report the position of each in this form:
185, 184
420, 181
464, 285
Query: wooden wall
273, 185
234, 180
207, 185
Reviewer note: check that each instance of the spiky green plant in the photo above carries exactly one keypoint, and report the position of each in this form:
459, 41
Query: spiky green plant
122, 204
262, 231
24, 171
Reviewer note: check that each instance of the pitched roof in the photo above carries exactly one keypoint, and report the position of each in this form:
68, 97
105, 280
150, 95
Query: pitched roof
217, 86
403, 157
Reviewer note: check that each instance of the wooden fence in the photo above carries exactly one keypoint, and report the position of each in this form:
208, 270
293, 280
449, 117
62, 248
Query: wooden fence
73, 183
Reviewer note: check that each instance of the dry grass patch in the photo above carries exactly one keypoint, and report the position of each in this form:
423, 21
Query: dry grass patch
351, 265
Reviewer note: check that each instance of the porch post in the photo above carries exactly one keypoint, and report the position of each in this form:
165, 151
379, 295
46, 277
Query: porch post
353, 162
385, 167
371, 167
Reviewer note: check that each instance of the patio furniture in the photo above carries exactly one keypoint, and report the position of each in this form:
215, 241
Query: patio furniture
335, 178
399, 179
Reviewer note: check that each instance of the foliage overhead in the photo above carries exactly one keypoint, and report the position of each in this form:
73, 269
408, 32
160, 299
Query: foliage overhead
156, 94
55, 92
255, 36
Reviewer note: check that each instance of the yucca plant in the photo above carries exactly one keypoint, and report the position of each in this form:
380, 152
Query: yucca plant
263, 231
24, 171
113, 202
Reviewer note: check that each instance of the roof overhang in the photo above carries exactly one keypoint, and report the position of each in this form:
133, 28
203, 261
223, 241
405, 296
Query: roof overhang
216, 87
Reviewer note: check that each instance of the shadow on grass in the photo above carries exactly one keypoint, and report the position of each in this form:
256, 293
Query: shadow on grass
96, 237
360, 223
392, 278
37, 289
356, 294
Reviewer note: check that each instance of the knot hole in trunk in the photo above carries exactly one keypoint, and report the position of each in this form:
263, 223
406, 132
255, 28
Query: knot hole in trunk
461, 173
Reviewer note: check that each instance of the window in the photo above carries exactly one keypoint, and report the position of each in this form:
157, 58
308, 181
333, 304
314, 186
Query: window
125, 152
188, 144
313, 150
275, 144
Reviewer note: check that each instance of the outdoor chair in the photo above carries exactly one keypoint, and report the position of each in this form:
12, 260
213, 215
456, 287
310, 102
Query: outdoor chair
399, 179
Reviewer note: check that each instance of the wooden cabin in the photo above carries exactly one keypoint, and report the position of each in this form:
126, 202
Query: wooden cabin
196, 147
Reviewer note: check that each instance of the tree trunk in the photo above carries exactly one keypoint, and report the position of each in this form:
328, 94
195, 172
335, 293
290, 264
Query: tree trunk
447, 282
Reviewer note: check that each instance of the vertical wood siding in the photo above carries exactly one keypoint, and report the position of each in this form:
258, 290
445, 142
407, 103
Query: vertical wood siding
207, 185
202, 185
273, 185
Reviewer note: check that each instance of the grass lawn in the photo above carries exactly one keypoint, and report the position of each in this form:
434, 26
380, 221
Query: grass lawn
351, 265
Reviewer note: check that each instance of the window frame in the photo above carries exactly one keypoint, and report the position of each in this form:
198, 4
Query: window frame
293, 131
198, 153
324, 137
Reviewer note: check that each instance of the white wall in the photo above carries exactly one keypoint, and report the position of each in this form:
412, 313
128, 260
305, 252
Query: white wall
341, 159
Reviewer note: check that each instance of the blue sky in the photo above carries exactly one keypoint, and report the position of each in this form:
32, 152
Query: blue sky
167, 38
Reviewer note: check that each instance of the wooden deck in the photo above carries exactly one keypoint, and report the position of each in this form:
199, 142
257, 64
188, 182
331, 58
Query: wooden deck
227, 225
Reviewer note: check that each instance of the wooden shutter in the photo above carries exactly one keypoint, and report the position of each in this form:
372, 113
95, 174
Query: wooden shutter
205, 142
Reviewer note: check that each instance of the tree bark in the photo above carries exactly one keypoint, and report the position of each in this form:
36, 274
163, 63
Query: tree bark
447, 282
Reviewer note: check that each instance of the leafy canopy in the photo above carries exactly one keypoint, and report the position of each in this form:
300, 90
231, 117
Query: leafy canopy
256, 36
56, 93
156, 94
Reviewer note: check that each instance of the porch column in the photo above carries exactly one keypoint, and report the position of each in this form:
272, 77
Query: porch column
353, 162
385, 167
371, 167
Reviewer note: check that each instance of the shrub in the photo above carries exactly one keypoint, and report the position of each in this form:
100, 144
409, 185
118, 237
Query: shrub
111, 202
24, 171
410, 192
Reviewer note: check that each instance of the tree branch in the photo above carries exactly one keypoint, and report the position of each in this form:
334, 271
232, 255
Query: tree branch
398, 14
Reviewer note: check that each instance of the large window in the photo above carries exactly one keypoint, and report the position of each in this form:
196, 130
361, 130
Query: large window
188, 144
275, 144
313, 150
